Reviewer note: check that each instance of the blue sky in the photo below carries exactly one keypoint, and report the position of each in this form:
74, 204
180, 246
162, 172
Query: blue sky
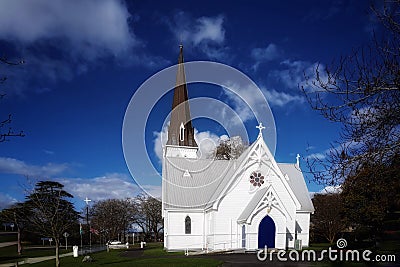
83, 61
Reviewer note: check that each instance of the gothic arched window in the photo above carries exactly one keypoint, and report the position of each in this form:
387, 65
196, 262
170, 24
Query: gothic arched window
188, 225
182, 132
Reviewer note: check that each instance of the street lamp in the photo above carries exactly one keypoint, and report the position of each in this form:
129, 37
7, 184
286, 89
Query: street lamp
87, 221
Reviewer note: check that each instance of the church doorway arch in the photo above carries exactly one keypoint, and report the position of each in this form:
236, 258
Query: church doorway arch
266, 233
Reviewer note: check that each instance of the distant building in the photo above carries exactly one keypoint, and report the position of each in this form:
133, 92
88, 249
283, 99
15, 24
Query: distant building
249, 202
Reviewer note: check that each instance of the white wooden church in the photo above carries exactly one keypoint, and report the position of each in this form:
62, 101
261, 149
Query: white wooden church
245, 203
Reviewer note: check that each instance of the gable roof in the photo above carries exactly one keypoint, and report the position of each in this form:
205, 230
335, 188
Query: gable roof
198, 183
298, 185
208, 178
252, 205
191, 183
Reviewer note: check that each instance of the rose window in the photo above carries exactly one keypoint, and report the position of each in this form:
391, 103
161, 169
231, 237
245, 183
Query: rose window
256, 179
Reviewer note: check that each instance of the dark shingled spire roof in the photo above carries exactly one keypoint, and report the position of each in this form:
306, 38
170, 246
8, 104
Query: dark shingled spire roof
180, 115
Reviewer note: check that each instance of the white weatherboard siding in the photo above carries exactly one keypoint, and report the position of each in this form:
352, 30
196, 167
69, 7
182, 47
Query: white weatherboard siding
175, 237
220, 200
303, 227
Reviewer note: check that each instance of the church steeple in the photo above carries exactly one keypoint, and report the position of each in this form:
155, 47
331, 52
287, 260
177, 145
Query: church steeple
181, 132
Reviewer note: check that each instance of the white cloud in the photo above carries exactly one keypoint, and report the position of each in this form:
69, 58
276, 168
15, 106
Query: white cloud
153, 190
331, 189
317, 156
281, 99
242, 109
88, 26
274, 98
6, 201
268, 53
15, 166
208, 29
264, 54
205, 33
160, 141
206, 141
59, 40
243, 99
294, 74
114, 185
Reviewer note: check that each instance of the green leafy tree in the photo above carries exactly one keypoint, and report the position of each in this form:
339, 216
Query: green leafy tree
51, 212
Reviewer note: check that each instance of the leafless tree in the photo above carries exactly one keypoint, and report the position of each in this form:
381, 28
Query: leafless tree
16, 214
6, 133
362, 93
147, 215
50, 212
111, 217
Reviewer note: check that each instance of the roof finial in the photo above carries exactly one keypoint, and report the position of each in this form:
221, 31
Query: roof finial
298, 161
260, 127
180, 41
87, 201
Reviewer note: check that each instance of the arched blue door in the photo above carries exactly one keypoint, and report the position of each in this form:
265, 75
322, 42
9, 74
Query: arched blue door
266, 233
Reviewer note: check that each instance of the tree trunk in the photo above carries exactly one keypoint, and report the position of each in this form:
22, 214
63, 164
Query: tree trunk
155, 233
19, 241
57, 252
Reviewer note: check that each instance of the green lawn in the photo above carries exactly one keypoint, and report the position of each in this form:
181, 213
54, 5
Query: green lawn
319, 246
157, 250
114, 258
9, 254
153, 255
8, 237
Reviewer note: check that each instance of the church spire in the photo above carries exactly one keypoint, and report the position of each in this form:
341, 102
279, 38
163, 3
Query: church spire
181, 132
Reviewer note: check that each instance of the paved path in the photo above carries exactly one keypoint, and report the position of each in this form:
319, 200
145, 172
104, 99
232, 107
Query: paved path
7, 244
250, 259
46, 258
34, 260
235, 260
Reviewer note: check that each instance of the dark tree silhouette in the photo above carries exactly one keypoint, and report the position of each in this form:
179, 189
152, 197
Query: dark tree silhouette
111, 217
17, 214
327, 220
371, 195
147, 215
51, 213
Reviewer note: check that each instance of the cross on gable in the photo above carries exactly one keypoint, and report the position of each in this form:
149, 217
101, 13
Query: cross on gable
260, 127
87, 201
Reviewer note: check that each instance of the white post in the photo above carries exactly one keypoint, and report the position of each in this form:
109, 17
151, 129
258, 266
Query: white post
133, 238
231, 233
